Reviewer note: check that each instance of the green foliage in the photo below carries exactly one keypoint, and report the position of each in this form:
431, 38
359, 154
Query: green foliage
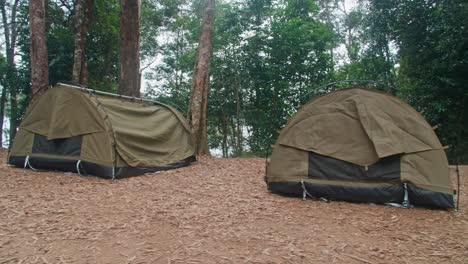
60, 43
266, 58
433, 40
420, 48
271, 56
102, 46
171, 76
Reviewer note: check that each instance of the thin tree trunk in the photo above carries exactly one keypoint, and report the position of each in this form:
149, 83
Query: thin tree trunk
38, 48
10, 32
13, 114
233, 139
5, 85
83, 10
129, 48
199, 98
329, 22
225, 135
238, 119
388, 60
2, 113
178, 71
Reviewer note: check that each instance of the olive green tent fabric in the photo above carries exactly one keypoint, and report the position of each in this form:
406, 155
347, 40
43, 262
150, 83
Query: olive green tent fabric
63, 113
360, 127
428, 170
379, 125
287, 163
24, 146
74, 125
147, 135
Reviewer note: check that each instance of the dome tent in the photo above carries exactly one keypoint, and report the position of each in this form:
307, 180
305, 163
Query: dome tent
361, 145
73, 130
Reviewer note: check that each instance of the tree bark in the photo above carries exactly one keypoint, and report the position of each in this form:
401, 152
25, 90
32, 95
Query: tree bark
129, 48
238, 118
38, 47
2, 113
10, 31
199, 97
83, 10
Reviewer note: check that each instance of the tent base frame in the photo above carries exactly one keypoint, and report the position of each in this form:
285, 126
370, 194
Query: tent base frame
378, 195
90, 168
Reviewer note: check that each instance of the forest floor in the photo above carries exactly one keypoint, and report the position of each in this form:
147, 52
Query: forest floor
214, 211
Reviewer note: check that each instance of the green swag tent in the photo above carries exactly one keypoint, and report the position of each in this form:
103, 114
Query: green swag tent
74, 130
361, 145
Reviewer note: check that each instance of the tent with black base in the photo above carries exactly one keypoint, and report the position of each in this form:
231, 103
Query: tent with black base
361, 145
78, 130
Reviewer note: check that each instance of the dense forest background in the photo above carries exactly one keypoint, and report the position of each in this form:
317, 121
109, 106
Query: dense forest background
269, 58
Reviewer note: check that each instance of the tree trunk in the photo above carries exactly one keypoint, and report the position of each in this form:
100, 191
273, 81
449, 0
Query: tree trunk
83, 10
199, 96
38, 47
2, 112
129, 48
238, 118
10, 86
224, 132
225, 135
13, 112
327, 9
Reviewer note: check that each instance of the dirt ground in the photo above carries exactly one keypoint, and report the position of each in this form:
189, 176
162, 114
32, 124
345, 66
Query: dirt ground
214, 211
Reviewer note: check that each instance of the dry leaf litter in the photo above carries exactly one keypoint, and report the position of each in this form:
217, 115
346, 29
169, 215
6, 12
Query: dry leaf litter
214, 211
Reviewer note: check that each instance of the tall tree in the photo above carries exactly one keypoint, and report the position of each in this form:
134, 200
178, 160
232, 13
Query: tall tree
328, 15
351, 23
199, 96
9, 11
38, 52
129, 48
83, 10
432, 37
102, 51
3, 67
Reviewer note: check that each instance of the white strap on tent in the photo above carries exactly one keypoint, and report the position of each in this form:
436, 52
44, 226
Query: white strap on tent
305, 192
78, 167
113, 173
322, 199
27, 164
405, 203
395, 205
